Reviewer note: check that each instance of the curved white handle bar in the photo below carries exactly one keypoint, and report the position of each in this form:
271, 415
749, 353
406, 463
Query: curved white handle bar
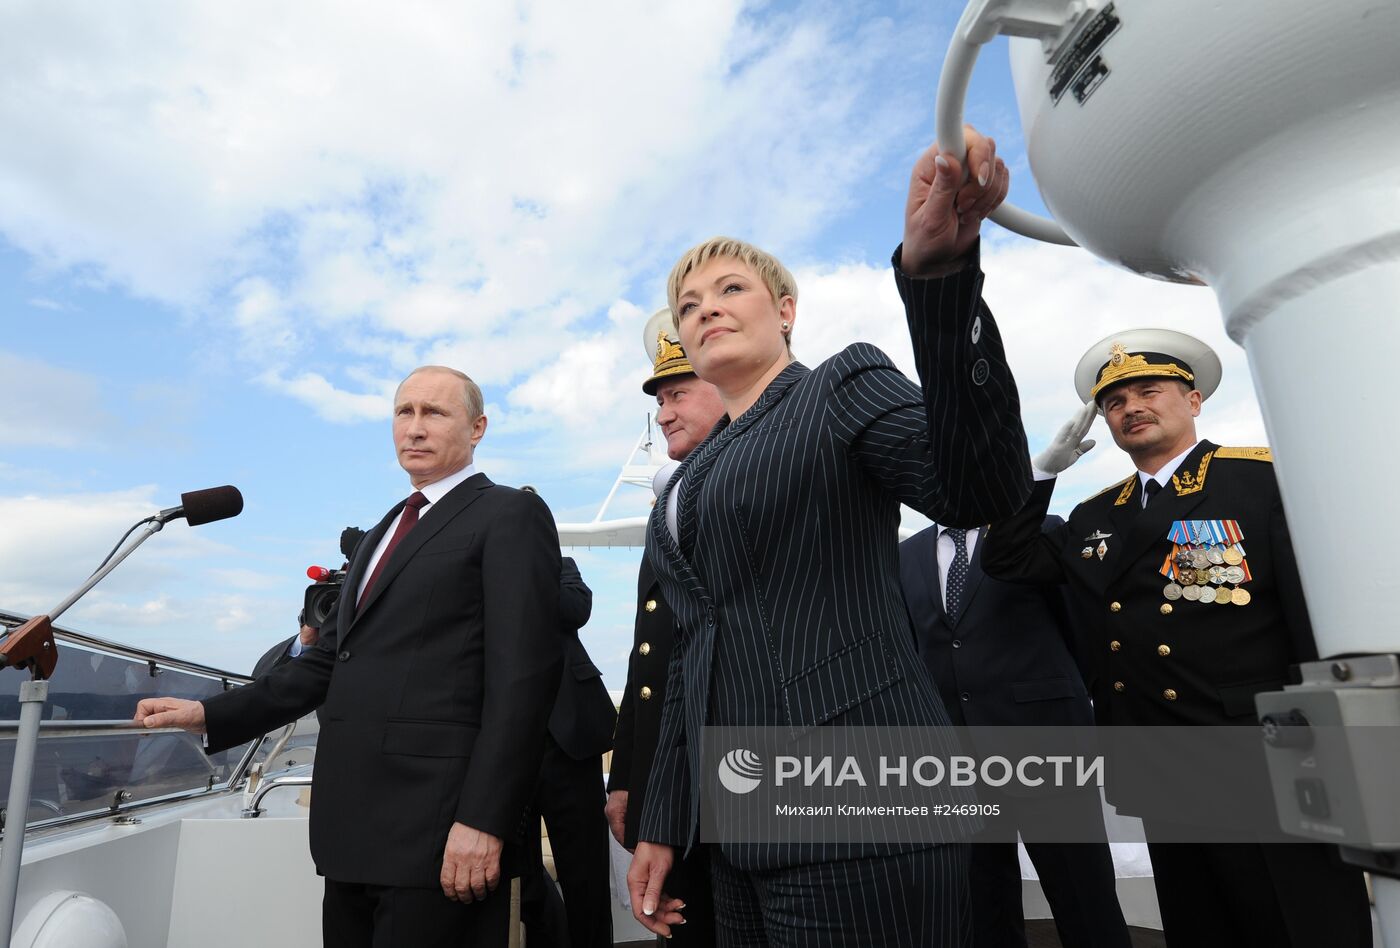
948, 124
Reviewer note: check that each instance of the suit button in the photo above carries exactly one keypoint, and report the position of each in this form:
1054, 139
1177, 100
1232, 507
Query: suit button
1166, 608
644, 649
1118, 686
1115, 645
965, 696
1169, 694
1164, 650
1115, 607
651, 605
957, 643
645, 693
344, 656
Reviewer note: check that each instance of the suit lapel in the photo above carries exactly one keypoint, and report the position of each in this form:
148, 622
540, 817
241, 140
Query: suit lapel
928, 607
974, 577
1175, 502
698, 466
345, 606
454, 502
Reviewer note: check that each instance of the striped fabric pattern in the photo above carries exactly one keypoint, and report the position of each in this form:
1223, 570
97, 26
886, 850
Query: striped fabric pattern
917, 898
784, 576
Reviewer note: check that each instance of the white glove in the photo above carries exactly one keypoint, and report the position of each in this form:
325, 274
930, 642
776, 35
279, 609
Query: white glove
1068, 445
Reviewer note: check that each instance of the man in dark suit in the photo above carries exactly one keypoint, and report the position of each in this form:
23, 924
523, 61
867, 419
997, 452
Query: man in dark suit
1000, 655
1184, 577
570, 792
436, 679
687, 409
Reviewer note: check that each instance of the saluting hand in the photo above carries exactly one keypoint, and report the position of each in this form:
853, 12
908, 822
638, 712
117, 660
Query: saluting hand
947, 204
1069, 444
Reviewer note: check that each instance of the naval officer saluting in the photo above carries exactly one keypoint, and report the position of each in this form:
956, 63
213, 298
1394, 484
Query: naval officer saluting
1184, 577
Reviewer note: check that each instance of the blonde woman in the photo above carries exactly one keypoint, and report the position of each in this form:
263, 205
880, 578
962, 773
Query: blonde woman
776, 545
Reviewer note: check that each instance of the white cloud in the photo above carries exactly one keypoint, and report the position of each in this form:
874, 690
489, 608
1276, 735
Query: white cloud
331, 403
425, 178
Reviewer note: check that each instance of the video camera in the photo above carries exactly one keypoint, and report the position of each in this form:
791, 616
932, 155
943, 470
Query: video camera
323, 595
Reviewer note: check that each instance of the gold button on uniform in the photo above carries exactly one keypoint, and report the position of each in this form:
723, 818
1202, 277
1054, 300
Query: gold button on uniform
1162, 650
1115, 645
1169, 694
1114, 607
1118, 686
644, 649
1166, 608
645, 693
651, 605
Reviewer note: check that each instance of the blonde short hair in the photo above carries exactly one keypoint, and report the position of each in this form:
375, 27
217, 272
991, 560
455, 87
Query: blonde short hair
770, 270
471, 392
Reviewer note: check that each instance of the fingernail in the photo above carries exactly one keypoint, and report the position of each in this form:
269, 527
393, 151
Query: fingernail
680, 907
942, 163
648, 909
984, 174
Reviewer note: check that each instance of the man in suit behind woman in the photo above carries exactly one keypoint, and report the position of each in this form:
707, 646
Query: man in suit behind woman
1001, 655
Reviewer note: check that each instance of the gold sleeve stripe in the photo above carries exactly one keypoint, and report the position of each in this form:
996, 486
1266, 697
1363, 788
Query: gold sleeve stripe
1246, 454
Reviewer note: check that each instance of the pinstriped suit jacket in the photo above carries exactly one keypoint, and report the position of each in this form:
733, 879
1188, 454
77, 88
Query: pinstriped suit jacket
785, 579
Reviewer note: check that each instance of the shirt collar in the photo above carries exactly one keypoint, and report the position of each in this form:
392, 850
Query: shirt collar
437, 490
943, 530
1168, 469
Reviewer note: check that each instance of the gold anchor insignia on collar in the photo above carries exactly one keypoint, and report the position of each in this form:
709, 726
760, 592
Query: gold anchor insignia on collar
1187, 483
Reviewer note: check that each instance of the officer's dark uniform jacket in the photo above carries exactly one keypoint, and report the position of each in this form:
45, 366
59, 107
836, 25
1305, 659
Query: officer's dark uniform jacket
1156, 661
639, 719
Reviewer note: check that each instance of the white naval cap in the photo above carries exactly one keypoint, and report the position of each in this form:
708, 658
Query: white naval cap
1144, 354
663, 347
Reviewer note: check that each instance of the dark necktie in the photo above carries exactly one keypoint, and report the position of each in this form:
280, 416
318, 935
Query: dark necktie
957, 573
410, 517
1149, 490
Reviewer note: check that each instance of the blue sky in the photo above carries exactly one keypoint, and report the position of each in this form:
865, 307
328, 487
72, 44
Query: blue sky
227, 232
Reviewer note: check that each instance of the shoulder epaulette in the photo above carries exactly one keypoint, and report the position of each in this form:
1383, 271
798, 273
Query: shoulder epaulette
1116, 485
1246, 454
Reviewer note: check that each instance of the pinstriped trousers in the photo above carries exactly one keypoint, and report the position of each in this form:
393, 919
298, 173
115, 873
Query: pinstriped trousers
918, 899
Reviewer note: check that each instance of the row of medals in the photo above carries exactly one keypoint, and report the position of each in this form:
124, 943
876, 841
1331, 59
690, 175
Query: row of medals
1202, 574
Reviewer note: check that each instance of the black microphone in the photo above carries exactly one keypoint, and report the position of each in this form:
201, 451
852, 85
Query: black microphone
205, 506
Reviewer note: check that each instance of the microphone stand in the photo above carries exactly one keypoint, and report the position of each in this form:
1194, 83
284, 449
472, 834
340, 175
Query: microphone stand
32, 646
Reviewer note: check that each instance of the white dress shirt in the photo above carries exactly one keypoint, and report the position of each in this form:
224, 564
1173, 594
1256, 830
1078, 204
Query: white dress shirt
1161, 477
434, 492
1165, 474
